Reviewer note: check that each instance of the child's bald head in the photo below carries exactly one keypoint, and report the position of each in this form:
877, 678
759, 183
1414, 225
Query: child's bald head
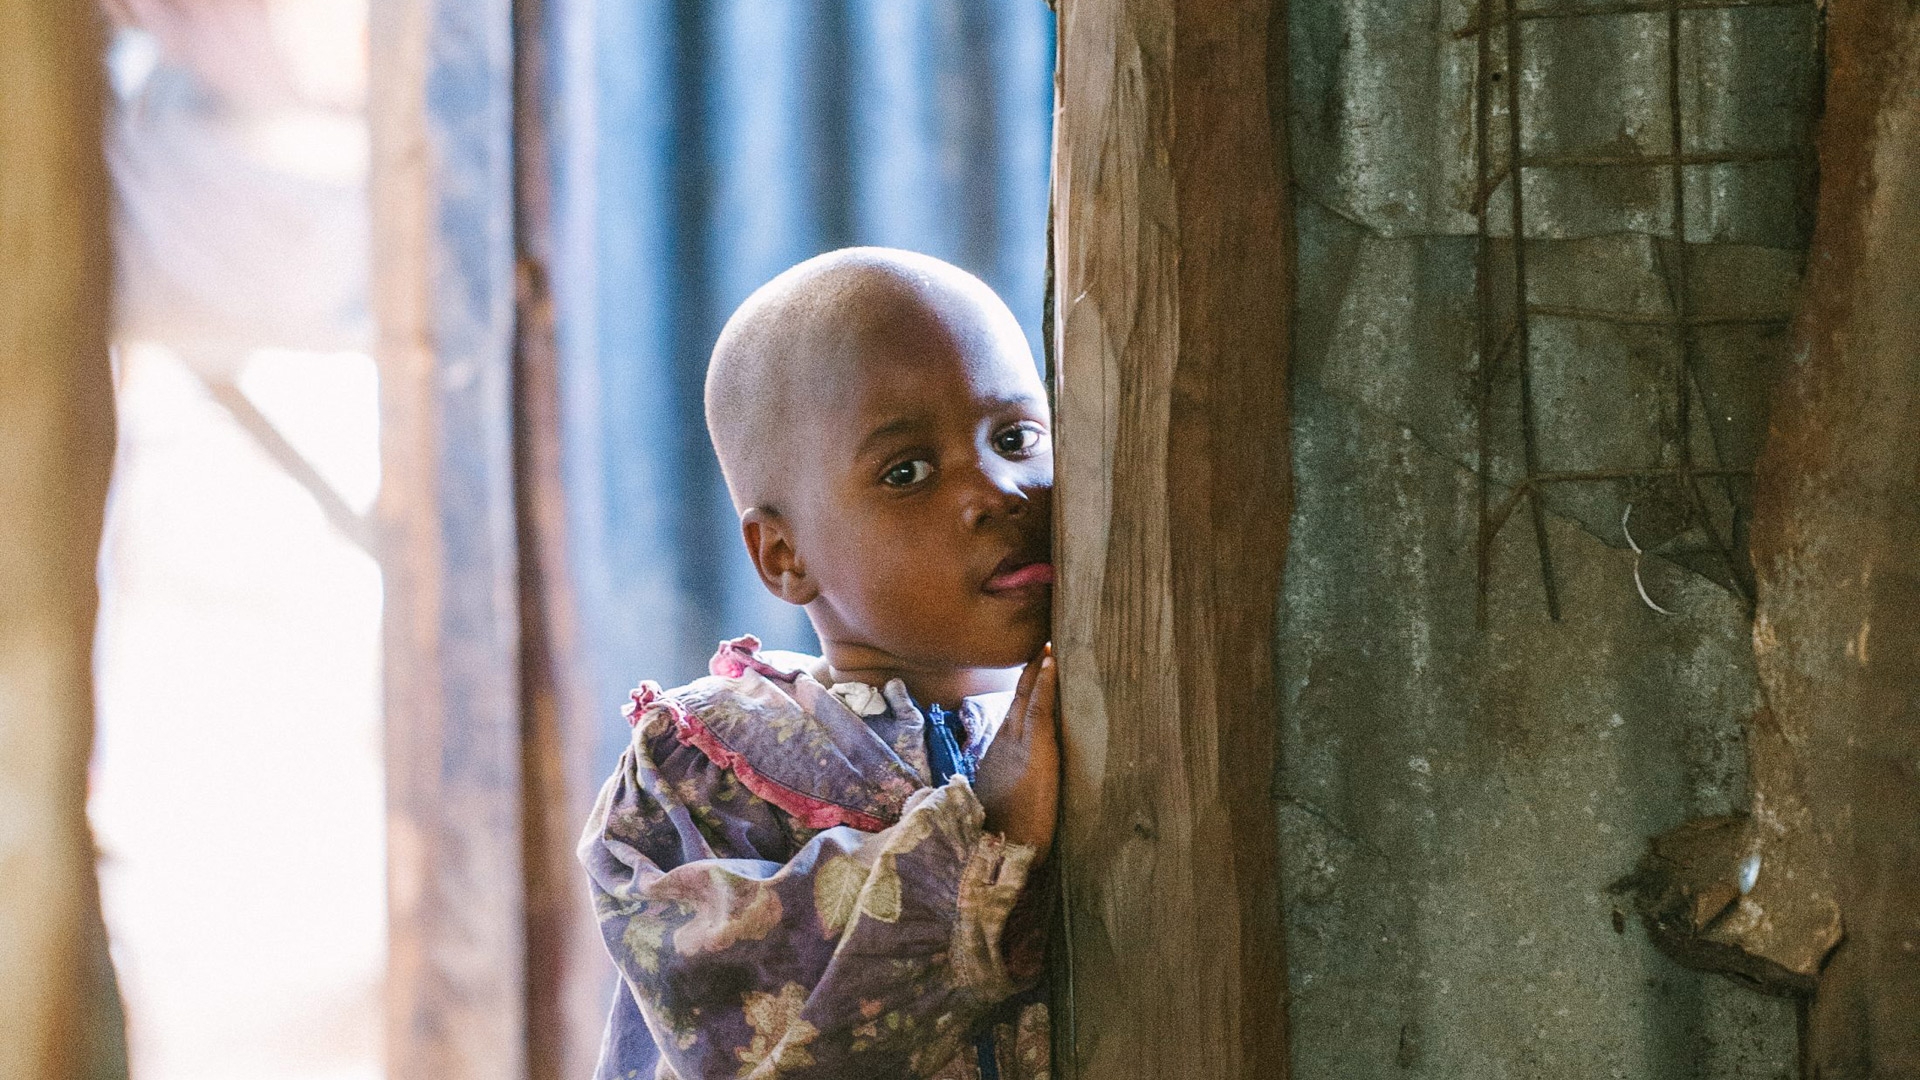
781, 364
885, 438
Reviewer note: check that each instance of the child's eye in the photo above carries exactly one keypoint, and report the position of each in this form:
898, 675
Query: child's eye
1018, 439
907, 473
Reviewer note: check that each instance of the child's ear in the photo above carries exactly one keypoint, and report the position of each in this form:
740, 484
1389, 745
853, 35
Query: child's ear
770, 546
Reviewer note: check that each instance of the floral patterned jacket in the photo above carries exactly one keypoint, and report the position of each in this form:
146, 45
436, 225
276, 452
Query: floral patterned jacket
787, 894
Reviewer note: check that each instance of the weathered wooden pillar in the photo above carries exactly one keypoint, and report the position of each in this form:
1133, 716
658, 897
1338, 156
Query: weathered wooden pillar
1835, 548
496, 965
1173, 286
569, 977
58, 1013
442, 119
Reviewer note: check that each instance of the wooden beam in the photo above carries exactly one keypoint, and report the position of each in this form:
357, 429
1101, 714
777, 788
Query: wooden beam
58, 1009
569, 978
442, 121
1174, 285
260, 428
1836, 511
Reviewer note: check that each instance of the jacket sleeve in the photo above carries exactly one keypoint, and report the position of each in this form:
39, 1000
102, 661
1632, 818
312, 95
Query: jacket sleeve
864, 954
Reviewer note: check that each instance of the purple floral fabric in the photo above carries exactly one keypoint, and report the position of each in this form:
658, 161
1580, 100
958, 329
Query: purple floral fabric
786, 894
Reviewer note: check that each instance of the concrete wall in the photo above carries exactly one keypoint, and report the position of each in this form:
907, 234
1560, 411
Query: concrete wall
1457, 801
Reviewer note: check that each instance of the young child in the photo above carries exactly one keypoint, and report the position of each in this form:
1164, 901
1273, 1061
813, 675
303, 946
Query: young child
798, 867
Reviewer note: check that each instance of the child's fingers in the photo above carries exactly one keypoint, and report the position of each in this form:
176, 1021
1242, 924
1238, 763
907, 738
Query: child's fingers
1043, 707
1028, 674
1046, 688
1035, 710
1016, 719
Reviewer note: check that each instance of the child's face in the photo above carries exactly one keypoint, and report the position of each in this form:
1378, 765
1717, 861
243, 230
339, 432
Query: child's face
930, 490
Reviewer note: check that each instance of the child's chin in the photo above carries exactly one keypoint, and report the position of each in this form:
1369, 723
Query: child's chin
998, 643
1022, 642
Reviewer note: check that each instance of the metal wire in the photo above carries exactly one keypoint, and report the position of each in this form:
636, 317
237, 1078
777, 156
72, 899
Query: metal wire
1682, 303
1492, 339
1621, 7
1500, 338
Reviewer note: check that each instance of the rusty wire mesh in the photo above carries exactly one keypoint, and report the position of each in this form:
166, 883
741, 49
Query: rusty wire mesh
1713, 495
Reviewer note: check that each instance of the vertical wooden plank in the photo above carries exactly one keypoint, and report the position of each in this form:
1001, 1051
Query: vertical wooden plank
56, 449
1836, 511
444, 298
569, 978
1173, 291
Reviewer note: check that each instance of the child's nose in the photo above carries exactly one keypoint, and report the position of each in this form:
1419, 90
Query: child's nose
998, 493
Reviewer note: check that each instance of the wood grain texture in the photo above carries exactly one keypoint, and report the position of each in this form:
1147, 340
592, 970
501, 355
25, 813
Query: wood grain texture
444, 298
1173, 279
1836, 511
569, 977
58, 1013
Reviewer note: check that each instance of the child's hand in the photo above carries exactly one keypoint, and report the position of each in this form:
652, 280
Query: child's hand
1019, 779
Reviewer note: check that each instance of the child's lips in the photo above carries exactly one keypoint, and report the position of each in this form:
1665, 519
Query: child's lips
1021, 577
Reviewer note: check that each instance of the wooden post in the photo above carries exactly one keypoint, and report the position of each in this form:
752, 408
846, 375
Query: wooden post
569, 977
58, 1011
1173, 293
1836, 513
442, 122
